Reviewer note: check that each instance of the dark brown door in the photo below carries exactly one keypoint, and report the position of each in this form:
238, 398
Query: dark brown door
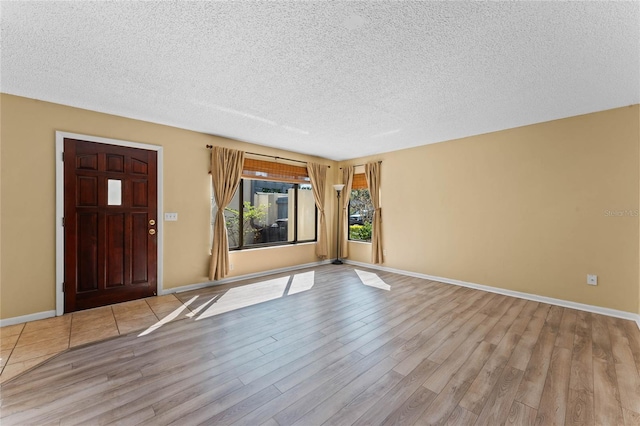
110, 204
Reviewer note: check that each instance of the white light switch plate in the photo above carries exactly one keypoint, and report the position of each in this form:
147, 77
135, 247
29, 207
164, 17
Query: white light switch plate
592, 279
171, 217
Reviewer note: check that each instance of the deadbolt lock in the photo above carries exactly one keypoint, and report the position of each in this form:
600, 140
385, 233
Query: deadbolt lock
152, 222
152, 231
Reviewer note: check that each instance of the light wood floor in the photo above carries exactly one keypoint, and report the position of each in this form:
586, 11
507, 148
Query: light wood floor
343, 353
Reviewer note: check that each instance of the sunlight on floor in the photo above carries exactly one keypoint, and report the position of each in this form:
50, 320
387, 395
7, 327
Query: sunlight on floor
201, 307
372, 280
301, 282
240, 297
173, 315
247, 295
253, 294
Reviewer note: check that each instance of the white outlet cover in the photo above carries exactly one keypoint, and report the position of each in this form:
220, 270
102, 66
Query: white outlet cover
592, 279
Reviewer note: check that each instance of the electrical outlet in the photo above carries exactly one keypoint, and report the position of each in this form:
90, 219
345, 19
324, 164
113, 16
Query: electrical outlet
592, 279
171, 217
231, 266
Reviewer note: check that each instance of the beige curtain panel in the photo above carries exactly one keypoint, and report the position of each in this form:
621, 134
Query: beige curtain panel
318, 175
226, 171
372, 172
347, 179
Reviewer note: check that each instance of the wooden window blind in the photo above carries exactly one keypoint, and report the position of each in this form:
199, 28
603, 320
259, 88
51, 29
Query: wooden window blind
359, 181
270, 170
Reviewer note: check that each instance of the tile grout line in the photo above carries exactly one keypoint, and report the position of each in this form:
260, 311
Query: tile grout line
12, 349
70, 330
154, 312
115, 320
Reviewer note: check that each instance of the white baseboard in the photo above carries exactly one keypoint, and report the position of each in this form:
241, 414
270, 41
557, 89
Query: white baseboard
197, 286
27, 318
528, 296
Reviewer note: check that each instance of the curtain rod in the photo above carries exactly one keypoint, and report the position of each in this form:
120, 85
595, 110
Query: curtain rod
359, 165
271, 156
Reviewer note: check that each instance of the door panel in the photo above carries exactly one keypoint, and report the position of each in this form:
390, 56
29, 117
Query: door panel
87, 191
87, 257
139, 193
115, 253
115, 163
110, 216
139, 241
87, 162
139, 167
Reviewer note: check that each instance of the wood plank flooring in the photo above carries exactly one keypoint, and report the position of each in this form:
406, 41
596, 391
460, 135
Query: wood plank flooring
344, 353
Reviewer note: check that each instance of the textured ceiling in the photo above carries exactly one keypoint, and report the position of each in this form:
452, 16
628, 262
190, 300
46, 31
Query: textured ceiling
338, 80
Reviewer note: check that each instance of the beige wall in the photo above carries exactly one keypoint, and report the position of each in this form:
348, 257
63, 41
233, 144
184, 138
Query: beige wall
521, 209
27, 279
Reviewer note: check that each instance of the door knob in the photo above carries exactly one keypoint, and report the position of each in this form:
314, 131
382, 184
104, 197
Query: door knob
152, 222
152, 231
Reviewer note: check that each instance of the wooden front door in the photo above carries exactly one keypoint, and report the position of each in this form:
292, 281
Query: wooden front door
110, 207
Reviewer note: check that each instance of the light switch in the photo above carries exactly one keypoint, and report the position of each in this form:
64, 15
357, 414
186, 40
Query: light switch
171, 217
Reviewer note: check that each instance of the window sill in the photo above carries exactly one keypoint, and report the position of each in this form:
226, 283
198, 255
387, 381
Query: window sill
279, 246
360, 242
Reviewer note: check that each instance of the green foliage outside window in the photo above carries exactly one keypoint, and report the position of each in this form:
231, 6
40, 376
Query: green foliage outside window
360, 232
252, 216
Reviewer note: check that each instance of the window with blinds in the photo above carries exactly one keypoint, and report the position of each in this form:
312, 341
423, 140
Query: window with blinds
273, 205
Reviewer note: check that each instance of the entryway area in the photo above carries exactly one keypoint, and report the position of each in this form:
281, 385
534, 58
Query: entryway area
108, 196
27, 345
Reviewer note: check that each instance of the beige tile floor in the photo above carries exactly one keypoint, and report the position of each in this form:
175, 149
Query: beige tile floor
23, 346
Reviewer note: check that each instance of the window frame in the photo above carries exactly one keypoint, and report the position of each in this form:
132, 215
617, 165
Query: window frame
242, 246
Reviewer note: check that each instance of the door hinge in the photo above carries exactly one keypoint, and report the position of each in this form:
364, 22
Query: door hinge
63, 221
62, 157
63, 286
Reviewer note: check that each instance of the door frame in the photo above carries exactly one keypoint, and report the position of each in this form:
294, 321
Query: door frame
60, 136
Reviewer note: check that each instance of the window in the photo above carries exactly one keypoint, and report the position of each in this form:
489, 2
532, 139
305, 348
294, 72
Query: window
264, 213
360, 213
273, 205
